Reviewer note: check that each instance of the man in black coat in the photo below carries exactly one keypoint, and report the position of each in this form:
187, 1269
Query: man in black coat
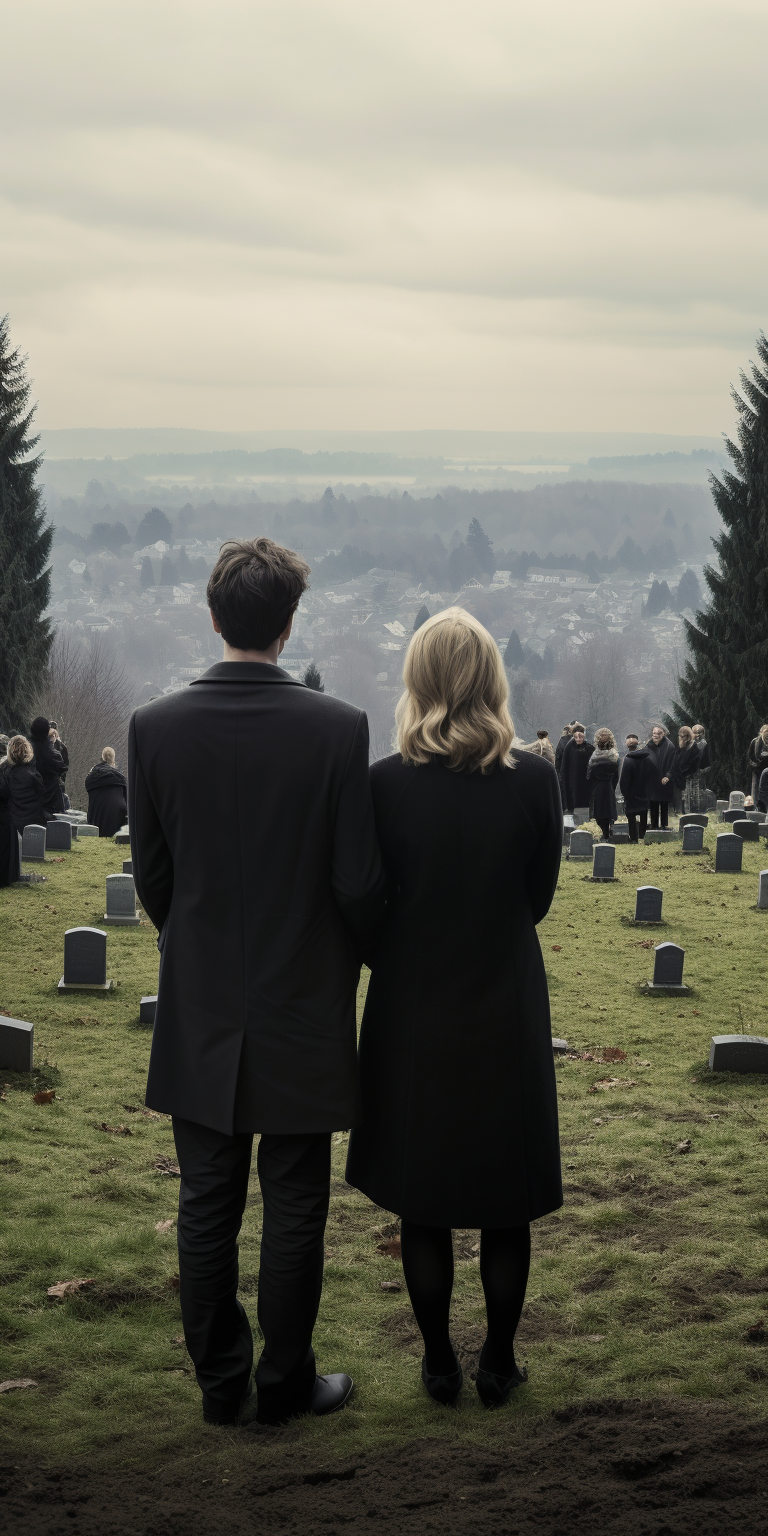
634, 784
49, 763
573, 770
264, 897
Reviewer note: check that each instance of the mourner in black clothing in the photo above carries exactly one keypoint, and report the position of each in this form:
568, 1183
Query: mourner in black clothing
21, 804
49, 764
762, 792
573, 770
563, 741
471, 834
603, 776
107, 790
633, 783
687, 758
757, 757
661, 786
263, 911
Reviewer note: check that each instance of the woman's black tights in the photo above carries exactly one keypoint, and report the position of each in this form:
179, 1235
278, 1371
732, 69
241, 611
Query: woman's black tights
505, 1256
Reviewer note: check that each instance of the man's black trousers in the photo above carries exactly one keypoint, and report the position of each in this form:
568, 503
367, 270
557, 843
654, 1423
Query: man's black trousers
294, 1174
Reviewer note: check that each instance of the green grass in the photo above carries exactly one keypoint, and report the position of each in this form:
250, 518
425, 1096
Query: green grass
644, 1284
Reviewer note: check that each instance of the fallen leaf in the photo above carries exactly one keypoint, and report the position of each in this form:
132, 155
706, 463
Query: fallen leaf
172, 1283
604, 1083
557, 948
684, 1146
179, 1341
645, 1063
164, 1226
391, 1248
148, 1114
114, 1130
45, 1096
16, 1386
64, 1288
475, 1247
597, 1122
697, 1013
390, 1285
594, 1338
167, 1166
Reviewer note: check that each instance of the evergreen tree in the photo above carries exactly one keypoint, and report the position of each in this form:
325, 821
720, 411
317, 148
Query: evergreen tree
462, 566
688, 594
421, 617
725, 682
658, 599
25, 545
313, 679
153, 526
110, 536
147, 575
514, 655
168, 575
478, 541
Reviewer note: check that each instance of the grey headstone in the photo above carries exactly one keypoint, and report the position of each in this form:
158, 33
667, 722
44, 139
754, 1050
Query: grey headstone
693, 838
569, 826
693, 819
84, 829
580, 845
58, 836
121, 901
660, 835
580, 814
147, 1008
721, 805
748, 830
33, 845
754, 816
762, 891
85, 959
127, 866
736, 800
559, 1046
123, 836
604, 862
738, 1053
648, 904
728, 853
732, 815
17, 1040
668, 965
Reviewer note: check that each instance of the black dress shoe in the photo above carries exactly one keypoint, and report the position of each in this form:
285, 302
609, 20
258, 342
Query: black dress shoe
331, 1393
494, 1390
444, 1389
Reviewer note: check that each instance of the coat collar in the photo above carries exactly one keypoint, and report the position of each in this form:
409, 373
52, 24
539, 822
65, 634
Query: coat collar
245, 672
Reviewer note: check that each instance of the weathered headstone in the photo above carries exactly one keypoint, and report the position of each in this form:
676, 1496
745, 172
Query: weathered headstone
747, 830
17, 1041
757, 816
147, 1008
58, 836
559, 1046
693, 819
732, 815
693, 839
85, 961
729, 849
604, 862
581, 813
738, 1053
85, 829
620, 831
127, 866
668, 970
762, 891
121, 902
580, 845
123, 836
736, 800
721, 805
660, 835
569, 826
648, 901
33, 845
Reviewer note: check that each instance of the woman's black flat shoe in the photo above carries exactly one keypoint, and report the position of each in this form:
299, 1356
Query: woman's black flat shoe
494, 1391
444, 1389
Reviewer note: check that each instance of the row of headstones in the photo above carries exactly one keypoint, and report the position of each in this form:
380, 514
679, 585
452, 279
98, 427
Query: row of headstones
56, 837
729, 849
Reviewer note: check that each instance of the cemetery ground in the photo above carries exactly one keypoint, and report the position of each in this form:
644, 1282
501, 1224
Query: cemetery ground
645, 1331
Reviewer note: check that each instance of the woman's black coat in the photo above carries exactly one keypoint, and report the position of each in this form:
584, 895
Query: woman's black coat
459, 1097
687, 762
107, 799
662, 765
50, 765
21, 789
603, 776
573, 774
634, 780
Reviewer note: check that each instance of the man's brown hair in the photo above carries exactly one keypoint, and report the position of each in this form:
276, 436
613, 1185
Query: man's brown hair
253, 590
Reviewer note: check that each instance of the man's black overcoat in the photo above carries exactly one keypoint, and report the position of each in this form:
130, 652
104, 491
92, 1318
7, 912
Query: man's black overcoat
635, 780
254, 852
460, 1106
107, 802
573, 774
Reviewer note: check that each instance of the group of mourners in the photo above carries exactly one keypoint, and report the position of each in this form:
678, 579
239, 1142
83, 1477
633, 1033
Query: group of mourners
33, 772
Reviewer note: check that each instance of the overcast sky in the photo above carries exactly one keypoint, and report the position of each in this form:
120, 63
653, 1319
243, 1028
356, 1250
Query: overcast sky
527, 214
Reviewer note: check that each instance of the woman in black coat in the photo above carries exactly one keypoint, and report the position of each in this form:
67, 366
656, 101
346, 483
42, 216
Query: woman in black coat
459, 1100
687, 758
21, 804
573, 770
603, 776
107, 795
49, 764
633, 783
661, 784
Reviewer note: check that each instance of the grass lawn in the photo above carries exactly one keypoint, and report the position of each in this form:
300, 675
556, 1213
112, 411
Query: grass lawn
645, 1285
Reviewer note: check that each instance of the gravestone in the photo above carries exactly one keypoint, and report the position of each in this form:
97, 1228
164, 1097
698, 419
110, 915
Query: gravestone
728, 853
581, 813
762, 891
147, 1008
580, 845
127, 866
668, 962
620, 831
757, 816
569, 826
121, 902
660, 835
693, 819
731, 816
738, 1053
747, 830
559, 1046
648, 899
33, 845
123, 836
710, 800
721, 805
693, 839
736, 800
84, 829
58, 836
604, 862
17, 1040
85, 961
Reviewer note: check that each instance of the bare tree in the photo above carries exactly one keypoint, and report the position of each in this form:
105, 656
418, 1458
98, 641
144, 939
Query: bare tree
87, 693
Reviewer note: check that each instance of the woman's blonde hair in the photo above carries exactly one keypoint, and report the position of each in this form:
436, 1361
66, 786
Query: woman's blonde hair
20, 750
604, 739
456, 693
763, 732
685, 734
108, 756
